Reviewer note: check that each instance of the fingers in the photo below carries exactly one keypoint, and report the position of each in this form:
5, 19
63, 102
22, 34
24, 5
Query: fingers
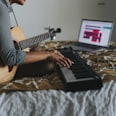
66, 62
58, 53
61, 59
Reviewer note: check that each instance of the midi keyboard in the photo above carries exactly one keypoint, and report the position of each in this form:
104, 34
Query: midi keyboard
80, 76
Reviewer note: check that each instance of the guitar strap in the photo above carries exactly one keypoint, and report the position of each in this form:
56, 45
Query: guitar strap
11, 10
14, 17
8, 5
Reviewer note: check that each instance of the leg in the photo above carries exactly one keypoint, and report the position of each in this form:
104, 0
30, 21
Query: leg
36, 69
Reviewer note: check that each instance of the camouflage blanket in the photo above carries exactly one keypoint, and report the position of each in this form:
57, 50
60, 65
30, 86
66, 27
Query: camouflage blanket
103, 62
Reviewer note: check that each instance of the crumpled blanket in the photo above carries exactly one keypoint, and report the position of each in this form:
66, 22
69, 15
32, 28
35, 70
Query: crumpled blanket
59, 103
103, 62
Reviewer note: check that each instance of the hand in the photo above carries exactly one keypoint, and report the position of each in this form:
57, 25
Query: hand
60, 58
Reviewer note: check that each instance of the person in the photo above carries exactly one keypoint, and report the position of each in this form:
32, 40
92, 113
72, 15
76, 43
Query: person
30, 63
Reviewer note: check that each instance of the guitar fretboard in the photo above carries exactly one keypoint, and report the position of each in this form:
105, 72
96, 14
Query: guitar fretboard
33, 40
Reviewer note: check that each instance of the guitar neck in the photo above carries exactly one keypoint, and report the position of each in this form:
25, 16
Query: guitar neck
34, 40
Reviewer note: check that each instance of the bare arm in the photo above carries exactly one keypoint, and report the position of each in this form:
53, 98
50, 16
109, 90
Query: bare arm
56, 55
36, 56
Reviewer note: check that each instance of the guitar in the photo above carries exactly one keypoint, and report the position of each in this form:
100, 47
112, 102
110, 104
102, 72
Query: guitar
20, 42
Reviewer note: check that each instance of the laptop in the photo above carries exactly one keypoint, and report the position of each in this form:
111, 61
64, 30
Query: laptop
93, 35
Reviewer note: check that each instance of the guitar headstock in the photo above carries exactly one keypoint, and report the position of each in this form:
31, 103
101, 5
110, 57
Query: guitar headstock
53, 32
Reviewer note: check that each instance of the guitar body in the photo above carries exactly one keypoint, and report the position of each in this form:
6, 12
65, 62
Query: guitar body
5, 74
17, 34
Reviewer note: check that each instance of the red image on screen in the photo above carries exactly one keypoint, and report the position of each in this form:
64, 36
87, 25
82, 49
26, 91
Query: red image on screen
95, 34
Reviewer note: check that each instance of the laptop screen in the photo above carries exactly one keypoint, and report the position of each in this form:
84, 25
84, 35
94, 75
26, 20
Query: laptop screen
95, 32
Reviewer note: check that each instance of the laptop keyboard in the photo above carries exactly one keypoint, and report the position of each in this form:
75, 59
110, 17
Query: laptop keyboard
81, 48
85, 47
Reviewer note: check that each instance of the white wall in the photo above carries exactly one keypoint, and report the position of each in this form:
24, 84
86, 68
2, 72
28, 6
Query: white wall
35, 15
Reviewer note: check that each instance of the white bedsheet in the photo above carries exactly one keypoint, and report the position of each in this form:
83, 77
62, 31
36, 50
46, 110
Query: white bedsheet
59, 103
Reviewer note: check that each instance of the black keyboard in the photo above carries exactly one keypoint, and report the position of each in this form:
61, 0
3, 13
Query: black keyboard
79, 76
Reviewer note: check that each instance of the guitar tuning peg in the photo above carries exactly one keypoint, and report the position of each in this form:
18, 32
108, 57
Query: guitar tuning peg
47, 28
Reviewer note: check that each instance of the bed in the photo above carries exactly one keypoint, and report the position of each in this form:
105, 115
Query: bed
44, 96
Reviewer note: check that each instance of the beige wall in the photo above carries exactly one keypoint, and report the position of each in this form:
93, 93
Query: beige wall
35, 15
